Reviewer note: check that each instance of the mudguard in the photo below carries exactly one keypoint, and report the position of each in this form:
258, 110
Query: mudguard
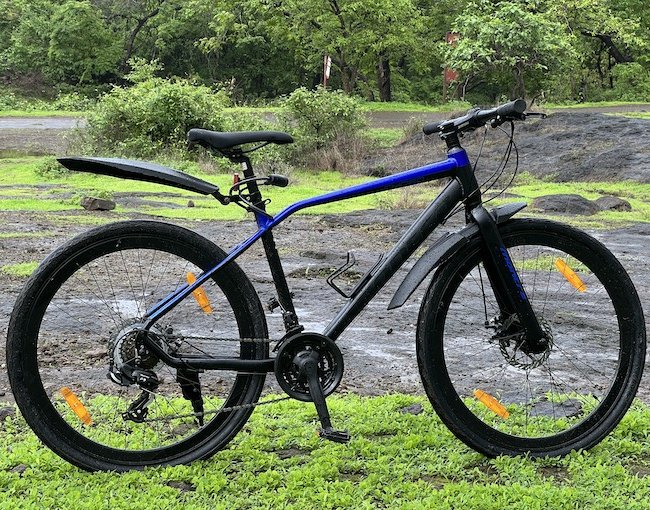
442, 250
139, 171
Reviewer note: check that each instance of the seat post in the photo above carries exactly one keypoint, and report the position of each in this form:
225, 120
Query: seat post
289, 316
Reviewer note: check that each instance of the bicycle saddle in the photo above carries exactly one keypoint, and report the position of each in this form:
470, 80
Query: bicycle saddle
223, 141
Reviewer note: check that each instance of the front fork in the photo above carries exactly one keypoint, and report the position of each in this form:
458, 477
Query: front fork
507, 286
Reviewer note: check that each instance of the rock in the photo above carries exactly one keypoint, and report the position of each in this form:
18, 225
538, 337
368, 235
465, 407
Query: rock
412, 409
190, 203
96, 354
611, 203
97, 204
20, 469
5, 412
182, 486
566, 204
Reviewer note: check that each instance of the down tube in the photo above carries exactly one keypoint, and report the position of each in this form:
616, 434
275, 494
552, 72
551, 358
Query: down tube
430, 218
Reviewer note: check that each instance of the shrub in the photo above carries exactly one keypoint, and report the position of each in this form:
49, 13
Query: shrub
320, 120
153, 115
50, 168
631, 82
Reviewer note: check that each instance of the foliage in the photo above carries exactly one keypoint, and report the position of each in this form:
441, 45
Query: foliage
384, 50
510, 39
319, 116
81, 45
395, 460
322, 121
153, 115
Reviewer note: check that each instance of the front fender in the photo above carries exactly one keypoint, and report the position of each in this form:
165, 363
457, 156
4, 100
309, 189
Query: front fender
442, 250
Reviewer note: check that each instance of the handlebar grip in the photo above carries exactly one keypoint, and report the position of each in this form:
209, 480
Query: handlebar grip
432, 127
277, 180
512, 109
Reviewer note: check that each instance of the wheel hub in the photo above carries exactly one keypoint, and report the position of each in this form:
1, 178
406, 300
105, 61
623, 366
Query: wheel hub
126, 353
511, 337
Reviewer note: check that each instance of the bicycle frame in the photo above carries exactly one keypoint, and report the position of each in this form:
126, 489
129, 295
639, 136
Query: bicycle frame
462, 187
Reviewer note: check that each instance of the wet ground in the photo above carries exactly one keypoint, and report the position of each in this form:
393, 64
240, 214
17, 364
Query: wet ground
379, 347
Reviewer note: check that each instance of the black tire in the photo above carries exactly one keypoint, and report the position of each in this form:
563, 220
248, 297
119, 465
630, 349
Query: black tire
565, 399
71, 321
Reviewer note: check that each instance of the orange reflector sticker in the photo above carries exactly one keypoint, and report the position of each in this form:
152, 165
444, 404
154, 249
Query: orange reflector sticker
199, 294
76, 405
570, 275
491, 403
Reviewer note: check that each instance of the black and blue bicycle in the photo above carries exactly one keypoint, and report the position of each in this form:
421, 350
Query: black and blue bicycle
173, 347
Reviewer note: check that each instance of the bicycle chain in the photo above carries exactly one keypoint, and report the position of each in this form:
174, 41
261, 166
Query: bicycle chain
222, 409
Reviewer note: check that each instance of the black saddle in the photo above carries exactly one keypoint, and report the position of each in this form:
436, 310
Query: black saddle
225, 142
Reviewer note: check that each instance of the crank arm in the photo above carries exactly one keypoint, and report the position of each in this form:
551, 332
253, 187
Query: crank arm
307, 363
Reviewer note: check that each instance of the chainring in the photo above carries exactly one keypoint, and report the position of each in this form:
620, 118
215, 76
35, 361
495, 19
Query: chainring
330, 365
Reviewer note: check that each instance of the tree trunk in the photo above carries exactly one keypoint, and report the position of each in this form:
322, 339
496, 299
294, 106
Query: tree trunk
520, 85
383, 78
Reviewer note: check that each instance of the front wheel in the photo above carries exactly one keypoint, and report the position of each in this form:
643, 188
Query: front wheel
83, 379
497, 398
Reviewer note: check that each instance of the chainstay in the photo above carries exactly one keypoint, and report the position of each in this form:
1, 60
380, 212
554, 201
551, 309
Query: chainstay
219, 339
216, 411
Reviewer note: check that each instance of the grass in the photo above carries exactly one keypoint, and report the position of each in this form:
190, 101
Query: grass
636, 115
20, 270
638, 195
31, 195
395, 460
40, 113
593, 104
21, 172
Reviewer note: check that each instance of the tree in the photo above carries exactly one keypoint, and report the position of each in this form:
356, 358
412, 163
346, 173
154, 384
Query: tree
512, 37
81, 47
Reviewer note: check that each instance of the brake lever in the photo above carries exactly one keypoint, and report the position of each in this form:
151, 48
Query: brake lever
536, 114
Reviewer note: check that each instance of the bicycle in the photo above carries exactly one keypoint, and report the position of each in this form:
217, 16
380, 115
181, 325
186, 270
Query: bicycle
171, 346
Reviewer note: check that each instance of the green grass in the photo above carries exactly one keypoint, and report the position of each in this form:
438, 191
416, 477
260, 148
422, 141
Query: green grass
395, 460
593, 104
40, 113
637, 194
385, 137
22, 172
636, 115
20, 235
21, 270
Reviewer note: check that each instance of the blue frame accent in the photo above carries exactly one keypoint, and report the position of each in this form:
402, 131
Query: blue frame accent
425, 173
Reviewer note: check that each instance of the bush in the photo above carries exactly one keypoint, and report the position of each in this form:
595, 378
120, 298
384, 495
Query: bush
320, 120
631, 82
153, 115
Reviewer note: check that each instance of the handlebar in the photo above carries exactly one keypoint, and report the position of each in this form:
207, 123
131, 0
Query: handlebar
476, 118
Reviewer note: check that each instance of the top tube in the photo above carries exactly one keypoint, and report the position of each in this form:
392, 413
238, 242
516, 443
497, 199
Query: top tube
425, 173
456, 159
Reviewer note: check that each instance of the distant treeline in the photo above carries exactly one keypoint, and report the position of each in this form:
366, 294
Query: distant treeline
383, 50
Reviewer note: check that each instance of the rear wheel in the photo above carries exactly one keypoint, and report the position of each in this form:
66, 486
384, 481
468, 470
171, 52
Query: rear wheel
74, 355
497, 398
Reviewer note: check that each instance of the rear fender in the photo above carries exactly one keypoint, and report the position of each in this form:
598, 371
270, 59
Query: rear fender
443, 249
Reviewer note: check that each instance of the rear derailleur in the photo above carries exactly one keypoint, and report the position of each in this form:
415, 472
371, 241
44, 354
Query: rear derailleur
309, 367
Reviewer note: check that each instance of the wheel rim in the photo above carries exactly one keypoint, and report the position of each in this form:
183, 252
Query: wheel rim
82, 330
560, 393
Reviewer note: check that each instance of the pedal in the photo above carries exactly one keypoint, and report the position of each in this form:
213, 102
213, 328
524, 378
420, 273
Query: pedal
338, 436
